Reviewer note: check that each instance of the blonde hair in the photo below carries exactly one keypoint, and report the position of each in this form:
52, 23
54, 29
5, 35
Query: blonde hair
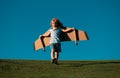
57, 22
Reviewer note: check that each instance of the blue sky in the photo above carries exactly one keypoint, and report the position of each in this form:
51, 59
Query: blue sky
22, 21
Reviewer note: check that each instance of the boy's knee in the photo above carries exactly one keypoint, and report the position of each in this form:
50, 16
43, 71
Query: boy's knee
56, 53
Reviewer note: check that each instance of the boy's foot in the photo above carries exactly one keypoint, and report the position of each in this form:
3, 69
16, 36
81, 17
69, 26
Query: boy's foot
53, 61
56, 61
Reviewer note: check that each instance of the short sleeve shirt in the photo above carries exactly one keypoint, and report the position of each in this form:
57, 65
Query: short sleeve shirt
55, 35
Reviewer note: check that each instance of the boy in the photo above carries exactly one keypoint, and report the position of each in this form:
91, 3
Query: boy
54, 33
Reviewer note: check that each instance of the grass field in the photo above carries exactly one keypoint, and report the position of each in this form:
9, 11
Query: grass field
65, 69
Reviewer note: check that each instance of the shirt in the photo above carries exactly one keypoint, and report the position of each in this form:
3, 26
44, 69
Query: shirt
55, 35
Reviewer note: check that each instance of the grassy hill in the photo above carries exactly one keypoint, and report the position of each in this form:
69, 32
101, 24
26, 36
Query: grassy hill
65, 69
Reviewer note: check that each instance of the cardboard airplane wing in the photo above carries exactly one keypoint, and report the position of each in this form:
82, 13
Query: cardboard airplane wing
73, 35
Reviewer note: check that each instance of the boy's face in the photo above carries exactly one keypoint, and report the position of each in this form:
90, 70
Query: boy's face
53, 24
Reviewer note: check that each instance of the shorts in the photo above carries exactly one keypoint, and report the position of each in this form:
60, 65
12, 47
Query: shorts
56, 47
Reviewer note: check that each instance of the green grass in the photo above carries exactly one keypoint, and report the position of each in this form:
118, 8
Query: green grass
65, 69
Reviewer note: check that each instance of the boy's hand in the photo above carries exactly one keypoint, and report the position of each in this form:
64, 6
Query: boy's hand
40, 36
72, 28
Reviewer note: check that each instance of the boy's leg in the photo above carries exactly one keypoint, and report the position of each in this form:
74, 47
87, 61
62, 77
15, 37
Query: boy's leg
56, 57
52, 54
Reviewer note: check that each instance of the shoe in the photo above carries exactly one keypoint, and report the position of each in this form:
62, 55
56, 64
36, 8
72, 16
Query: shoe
53, 61
56, 61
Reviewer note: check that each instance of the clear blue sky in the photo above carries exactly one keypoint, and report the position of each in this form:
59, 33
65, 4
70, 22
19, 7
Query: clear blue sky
22, 21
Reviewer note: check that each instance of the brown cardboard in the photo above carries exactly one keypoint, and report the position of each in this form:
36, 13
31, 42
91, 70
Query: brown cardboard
73, 35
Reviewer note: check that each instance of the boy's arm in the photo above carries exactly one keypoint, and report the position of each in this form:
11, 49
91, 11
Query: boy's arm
46, 34
67, 29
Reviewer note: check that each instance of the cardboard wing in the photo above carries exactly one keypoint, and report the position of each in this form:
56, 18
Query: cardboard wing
73, 35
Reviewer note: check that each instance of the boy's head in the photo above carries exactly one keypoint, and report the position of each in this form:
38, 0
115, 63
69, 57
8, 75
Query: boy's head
55, 23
